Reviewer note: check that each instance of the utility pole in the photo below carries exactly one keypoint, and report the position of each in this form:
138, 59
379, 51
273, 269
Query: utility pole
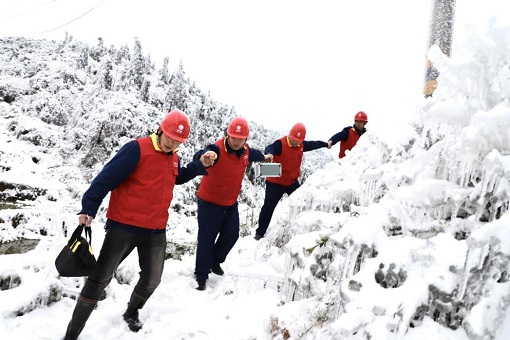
441, 34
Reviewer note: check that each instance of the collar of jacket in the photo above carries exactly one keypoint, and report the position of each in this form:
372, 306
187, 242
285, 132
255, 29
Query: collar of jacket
358, 131
155, 144
290, 145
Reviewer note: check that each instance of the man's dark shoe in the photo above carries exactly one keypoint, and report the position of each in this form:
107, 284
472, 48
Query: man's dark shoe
201, 284
131, 317
258, 237
216, 269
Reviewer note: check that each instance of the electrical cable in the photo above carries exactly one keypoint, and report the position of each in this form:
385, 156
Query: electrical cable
75, 19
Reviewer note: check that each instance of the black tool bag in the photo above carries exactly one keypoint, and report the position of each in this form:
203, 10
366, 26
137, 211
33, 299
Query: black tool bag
76, 258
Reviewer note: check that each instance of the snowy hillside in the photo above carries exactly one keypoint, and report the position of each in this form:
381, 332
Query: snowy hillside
73, 106
405, 238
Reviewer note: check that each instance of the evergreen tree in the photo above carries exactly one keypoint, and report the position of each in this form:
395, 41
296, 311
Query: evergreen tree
122, 54
177, 94
163, 72
149, 65
106, 73
68, 38
83, 60
98, 51
144, 92
137, 67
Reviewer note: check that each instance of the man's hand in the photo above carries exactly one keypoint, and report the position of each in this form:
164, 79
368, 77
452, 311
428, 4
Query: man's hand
85, 220
268, 158
208, 158
329, 144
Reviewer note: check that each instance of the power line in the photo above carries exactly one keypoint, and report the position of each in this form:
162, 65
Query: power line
75, 19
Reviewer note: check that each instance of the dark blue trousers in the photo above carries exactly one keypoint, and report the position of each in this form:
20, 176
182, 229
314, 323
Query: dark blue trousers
274, 192
218, 231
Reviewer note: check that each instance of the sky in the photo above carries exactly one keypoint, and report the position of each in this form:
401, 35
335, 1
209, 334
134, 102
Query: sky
384, 172
277, 62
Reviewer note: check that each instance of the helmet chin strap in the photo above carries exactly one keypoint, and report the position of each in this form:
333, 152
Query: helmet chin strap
158, 134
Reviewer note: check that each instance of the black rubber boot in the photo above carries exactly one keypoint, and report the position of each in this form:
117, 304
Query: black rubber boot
216, 269
81, 314
201, 284
131, 314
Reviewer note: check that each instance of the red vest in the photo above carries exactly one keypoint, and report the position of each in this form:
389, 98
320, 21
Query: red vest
143, 199
290, 158
223, 184
349, 142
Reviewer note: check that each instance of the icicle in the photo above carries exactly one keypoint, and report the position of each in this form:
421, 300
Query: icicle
369, 185
289, 287
434, 131
474, 259
350, 258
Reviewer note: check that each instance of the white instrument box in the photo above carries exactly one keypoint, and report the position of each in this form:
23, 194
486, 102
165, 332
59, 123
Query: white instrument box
268, 169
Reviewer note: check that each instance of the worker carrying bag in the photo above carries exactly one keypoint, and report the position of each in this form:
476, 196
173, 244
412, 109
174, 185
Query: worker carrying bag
76, 258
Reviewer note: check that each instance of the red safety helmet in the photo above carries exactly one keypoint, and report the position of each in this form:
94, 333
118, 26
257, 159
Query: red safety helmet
298, 132
176, 125
238, 128
361, 116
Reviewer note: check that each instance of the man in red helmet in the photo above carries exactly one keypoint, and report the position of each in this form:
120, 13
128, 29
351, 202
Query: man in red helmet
288, 151
349, 135
218, 216
141, 178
